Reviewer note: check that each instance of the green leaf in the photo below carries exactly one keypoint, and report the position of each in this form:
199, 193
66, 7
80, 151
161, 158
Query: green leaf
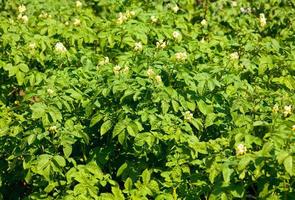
210, 119
288, 164
23, 67
50, 187
243, 163
105, 127
204, 108
117, 193
31, 138
146, 176
128, 184
121, 169
281, 156
38, 110
96, 118
175, 105
60, 160
67, 150
165, 106
226, 172
119, 127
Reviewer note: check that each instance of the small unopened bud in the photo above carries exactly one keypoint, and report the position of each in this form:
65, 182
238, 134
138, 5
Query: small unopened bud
50, 91
204, 22
158, 79
78, 4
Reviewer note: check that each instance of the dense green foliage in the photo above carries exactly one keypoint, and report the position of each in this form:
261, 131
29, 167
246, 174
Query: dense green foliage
139, 99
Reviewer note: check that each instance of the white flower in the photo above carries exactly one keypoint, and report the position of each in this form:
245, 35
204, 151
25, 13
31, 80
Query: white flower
78, 4
175, 8
154, 19
117, 69
32, 45
50, 91
52, 129
241, 149
77, 22
287, 110
150, 72
234, 4
176, 35
59, 47
188, 116
293, 127
138, 46
122, 18
22, 8
204, 22
262, 19
234, 56
161, 44
181, 56
275, 108
158, 79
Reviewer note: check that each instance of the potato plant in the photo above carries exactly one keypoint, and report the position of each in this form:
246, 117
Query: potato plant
129, 99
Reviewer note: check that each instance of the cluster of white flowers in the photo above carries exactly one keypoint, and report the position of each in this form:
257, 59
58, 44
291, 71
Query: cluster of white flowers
181, 56
161, 44
176, 35
105, 61
44, 15
138, 46
125, 16
59, 47
275, 108
245, 10
78, 4
234, 56
152, 75
287, 110
21, 9
52, 129
188, 116
117, 69
241, 149
154, 19
262, 19
77, 22
204, 22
